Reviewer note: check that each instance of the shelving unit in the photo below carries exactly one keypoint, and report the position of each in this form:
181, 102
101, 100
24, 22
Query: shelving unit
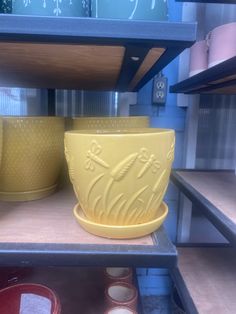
45, 233
214, 193
89, 54
220, 79
86, 53
206, 280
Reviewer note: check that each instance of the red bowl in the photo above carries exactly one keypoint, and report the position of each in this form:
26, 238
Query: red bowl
11, 297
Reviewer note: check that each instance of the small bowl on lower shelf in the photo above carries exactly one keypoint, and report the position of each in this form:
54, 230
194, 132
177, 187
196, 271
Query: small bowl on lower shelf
29, 298
120, 310
121, 294
121, 232
121, 274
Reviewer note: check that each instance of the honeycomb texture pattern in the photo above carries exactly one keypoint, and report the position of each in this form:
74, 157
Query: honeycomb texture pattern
32, 153
110, 123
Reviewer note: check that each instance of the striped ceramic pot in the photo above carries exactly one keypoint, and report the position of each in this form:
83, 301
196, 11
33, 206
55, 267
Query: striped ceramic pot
51, 7
130, 9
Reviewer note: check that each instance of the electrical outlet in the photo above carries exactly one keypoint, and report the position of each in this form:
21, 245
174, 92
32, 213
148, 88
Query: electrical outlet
159, 90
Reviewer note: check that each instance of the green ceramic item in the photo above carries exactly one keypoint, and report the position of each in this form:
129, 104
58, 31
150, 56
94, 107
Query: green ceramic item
130, 9
51, 7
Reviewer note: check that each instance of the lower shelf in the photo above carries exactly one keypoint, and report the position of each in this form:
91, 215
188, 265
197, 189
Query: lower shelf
206, 280
45, 233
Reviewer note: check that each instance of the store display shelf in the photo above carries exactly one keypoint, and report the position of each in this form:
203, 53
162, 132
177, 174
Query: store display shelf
87, 53
213, 192
219, 79
45, 233
206, 280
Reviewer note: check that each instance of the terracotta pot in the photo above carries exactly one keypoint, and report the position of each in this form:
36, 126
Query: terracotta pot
100, 123
121, 294
51, 7
120, 310
198, 58
222, 43
32, 157
13, 300
121, 274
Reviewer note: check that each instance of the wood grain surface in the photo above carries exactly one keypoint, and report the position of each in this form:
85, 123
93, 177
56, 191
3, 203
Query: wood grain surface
210, 276
50, 220
60, 65
218, 187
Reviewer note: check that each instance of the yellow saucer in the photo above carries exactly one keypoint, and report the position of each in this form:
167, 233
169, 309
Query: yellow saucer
121, 232
27, 196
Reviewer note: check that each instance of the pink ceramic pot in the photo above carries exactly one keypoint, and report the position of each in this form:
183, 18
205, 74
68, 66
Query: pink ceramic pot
121, 294
222, 43
121, 274
198, 57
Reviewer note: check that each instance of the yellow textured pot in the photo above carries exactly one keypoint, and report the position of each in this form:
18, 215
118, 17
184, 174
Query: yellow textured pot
99, 123
32, 157
1, 128
120, 177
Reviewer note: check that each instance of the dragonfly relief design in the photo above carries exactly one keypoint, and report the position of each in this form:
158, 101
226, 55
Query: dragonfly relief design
150, 162
93, 158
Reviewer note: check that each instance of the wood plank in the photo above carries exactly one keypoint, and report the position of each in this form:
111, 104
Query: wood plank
50, 220
60, 65
210, 277
217, 187
152, 57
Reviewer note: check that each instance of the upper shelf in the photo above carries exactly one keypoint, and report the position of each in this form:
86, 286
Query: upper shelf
210, 1
220, 79
45, 233
214, 193
87, 53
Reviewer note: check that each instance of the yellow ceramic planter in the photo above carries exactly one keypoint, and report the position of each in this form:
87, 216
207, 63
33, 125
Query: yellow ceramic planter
99, 123
120, 177
32, 157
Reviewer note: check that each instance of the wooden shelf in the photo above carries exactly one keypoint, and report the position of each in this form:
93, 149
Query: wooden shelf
45, 232
206, 280
220, 79
87, 53
214, 193
210, 1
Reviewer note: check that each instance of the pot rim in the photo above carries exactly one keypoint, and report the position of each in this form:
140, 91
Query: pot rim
107, 132
31, 117
122, 284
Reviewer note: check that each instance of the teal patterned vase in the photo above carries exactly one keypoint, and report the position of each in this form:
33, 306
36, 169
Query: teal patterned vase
130, 9
51, 7
5, 6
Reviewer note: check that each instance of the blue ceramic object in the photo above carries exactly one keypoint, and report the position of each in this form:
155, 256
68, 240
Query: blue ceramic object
5, 6
51, 7
130, 9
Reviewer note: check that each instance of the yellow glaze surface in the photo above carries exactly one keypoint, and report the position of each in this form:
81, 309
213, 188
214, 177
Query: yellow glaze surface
32, 157
121, 232
97, 123
120, 177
